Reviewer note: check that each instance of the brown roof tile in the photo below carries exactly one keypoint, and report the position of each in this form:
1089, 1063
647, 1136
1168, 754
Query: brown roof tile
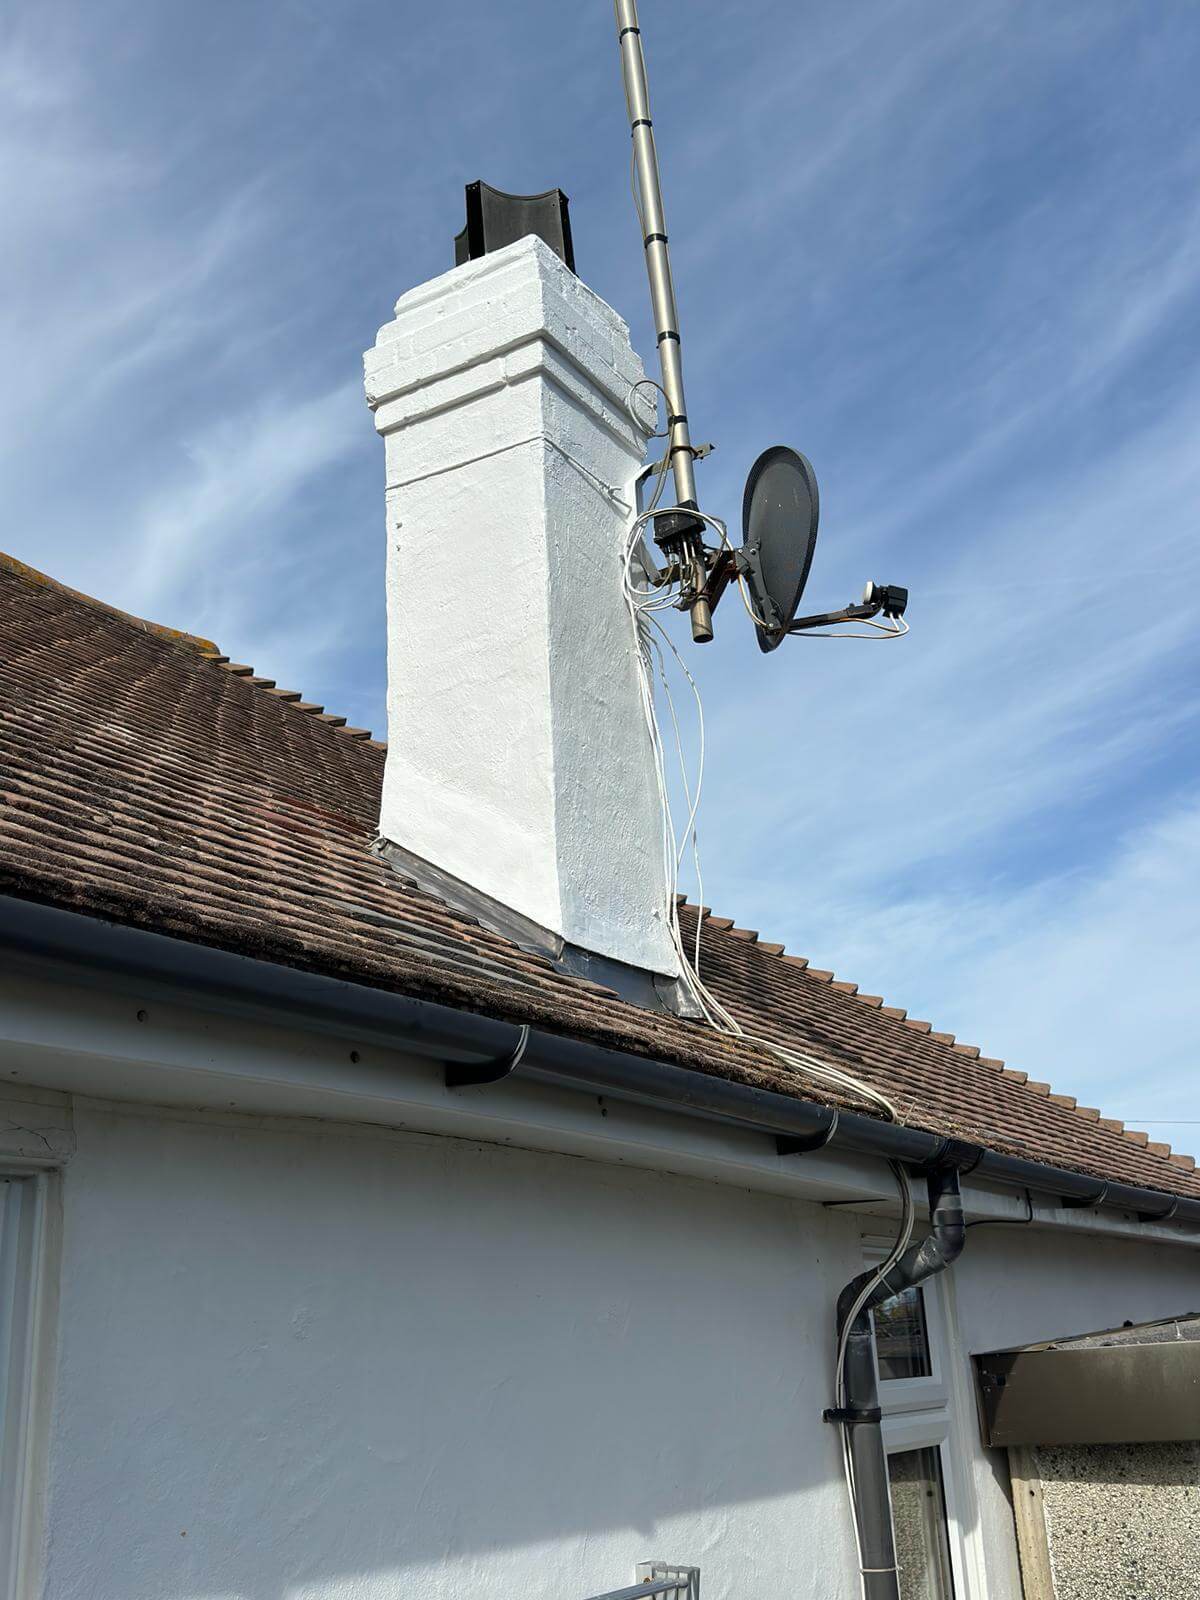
145, 778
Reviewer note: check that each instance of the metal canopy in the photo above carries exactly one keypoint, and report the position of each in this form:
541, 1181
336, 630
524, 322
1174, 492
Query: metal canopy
1133, 1386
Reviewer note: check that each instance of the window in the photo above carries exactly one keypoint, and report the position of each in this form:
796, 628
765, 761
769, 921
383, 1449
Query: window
901, 1337
937, 1539
22, 1219
919, 1523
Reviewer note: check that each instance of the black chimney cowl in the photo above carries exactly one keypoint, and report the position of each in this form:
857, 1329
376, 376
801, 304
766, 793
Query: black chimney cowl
495, 219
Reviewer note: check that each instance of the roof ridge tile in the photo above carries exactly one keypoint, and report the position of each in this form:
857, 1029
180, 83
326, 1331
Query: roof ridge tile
42, 580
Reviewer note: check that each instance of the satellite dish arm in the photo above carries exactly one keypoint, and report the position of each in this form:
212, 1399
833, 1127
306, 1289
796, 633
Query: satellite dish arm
826, 619
889, 598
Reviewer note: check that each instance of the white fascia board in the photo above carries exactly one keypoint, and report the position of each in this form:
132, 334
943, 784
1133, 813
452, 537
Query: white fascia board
94, 1043
143, 1045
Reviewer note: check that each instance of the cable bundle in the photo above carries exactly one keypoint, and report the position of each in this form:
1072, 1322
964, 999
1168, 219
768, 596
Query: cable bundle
651, 637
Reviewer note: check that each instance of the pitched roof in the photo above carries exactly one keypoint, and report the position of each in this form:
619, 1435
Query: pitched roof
147, 779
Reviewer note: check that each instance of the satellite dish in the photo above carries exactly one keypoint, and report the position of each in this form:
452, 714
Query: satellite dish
780, 509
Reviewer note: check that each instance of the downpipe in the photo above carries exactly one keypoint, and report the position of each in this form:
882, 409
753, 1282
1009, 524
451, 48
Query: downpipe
861, 1417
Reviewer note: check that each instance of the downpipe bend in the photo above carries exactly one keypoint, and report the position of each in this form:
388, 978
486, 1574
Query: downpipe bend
861, 1417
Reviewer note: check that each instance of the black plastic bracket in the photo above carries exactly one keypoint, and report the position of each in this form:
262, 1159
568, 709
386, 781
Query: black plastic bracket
853, 1416
464, 1075
802, 1144
1160, 1216
1082, 1202
672, 528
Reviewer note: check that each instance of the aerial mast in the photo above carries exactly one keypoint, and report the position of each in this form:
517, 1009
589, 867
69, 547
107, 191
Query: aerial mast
780, 505
680, 534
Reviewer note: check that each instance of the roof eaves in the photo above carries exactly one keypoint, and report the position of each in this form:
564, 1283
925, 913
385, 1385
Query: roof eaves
725, 925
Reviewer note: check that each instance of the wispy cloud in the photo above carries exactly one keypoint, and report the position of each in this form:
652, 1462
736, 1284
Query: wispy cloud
1084, 978
238, 473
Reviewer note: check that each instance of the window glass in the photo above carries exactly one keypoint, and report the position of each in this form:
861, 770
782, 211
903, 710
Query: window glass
919, 1520
17, 1231
901, 1337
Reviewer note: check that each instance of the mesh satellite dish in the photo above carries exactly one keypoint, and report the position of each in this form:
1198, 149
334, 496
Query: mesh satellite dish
780, 511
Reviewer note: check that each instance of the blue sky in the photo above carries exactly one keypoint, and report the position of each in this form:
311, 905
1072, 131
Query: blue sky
953, 254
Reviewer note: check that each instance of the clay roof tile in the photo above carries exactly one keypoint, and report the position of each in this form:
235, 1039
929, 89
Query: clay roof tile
152, 781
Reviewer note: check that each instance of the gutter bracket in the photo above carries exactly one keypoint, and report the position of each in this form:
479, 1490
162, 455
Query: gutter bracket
795, 1144
1160, 1216
1075, 1202
463, 1076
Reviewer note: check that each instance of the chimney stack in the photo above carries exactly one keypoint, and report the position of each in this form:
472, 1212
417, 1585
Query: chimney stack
520, 781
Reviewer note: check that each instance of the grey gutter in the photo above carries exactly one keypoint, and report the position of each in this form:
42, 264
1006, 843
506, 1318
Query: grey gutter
265, 991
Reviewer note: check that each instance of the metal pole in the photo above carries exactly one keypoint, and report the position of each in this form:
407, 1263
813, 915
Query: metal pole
662, 293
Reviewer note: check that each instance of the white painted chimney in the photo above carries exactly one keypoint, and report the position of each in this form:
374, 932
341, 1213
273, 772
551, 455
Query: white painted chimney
520, 780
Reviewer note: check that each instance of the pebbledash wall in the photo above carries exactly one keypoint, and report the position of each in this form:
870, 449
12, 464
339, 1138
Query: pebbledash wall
299, 1361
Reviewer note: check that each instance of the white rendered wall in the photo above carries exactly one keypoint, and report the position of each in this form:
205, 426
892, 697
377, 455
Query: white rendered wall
518, 757
318, 1362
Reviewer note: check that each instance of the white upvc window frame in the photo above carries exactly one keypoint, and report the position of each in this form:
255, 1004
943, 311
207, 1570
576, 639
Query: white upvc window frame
928, 1393
921, 1413
29, 1243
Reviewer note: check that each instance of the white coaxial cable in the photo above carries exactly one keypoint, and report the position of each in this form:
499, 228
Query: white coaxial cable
642, 604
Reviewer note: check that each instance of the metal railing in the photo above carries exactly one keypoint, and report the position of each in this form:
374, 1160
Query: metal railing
659, 1578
